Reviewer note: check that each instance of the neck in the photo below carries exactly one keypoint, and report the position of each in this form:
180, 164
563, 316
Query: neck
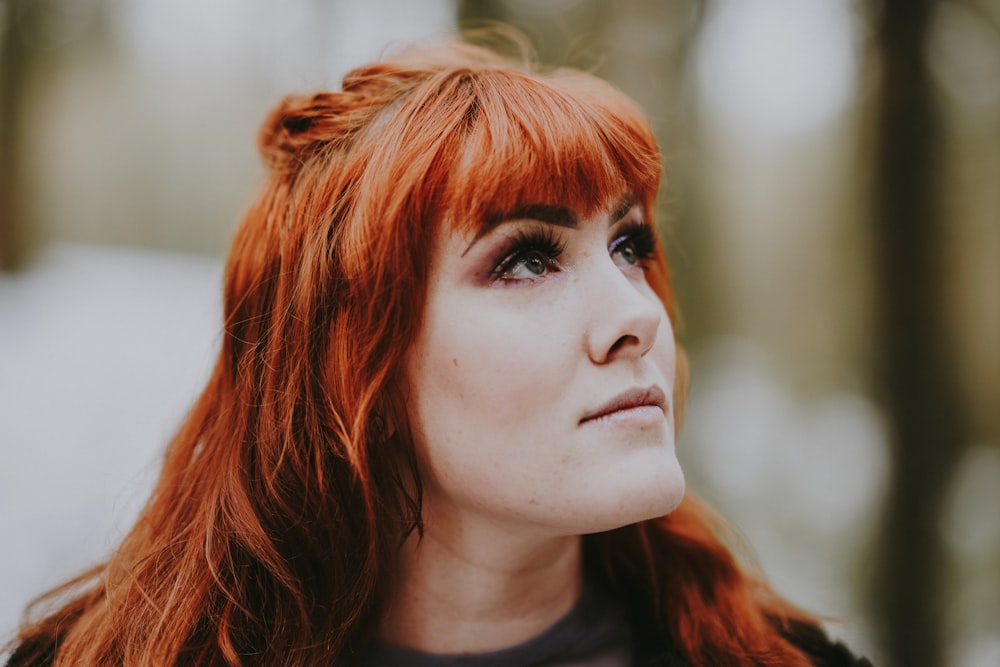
474, 588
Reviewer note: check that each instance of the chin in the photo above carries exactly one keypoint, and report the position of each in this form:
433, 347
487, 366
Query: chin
656, 489
662, 500
650, 497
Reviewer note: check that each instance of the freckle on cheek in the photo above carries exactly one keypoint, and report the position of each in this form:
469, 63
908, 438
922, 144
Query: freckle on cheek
454, 362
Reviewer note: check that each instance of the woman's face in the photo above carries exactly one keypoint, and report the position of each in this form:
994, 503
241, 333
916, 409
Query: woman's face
540, 385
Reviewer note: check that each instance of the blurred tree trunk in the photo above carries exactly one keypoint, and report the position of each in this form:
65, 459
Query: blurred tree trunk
916, 369
559, 38
13, 59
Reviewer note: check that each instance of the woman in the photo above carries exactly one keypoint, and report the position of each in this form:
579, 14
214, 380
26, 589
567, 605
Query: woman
441, 426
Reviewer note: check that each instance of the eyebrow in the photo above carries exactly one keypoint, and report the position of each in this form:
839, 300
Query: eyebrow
552, 215
621, 210
559, 216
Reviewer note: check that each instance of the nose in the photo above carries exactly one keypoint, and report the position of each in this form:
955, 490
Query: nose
624, 317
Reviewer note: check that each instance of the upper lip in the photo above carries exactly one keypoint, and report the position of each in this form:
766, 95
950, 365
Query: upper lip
631, 398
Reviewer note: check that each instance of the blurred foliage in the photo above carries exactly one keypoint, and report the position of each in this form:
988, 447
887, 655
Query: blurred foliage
861, 251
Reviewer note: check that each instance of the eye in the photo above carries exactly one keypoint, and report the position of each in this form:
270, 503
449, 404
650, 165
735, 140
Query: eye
528, 265
527, 256
626, 252
634, 246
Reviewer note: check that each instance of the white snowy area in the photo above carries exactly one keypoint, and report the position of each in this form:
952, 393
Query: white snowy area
102, 351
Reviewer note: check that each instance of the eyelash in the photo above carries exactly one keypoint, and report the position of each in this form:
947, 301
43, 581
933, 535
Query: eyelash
544, 242
643, 239
523, 244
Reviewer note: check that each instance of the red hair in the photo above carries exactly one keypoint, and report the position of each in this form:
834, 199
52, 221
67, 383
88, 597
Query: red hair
271, 536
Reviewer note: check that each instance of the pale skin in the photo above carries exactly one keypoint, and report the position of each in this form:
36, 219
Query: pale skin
541, 405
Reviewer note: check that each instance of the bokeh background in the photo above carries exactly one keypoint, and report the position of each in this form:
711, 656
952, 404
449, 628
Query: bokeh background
832, 213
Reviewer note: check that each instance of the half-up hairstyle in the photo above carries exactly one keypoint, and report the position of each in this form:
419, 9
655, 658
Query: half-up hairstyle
272, 534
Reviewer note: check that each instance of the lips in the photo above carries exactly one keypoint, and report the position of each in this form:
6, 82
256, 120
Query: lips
637, 397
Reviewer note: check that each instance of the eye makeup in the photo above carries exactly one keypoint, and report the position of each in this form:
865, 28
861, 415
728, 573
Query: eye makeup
526, 251
535, 248
635, 241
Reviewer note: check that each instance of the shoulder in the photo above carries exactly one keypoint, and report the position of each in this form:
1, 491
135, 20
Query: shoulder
810, 639
823, 651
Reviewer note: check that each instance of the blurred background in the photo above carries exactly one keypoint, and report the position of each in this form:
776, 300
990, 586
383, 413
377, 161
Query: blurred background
831, 208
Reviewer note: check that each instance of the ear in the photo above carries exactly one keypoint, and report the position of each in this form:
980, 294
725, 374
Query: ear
681, 378
392, 413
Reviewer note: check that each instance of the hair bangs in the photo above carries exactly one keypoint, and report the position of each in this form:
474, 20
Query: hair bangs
571, 141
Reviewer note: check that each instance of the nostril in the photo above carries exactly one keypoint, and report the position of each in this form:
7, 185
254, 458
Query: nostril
624, 341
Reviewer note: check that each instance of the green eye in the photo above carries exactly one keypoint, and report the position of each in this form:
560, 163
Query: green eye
627, 252
531, 254
533, 263
634, 247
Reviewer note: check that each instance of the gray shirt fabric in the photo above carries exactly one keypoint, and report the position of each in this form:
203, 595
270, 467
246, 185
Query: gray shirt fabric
594, 633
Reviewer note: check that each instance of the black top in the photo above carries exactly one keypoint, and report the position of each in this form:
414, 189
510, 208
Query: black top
824, 653
595, 633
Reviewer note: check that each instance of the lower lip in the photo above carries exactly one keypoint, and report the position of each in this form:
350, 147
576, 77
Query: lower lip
641, 414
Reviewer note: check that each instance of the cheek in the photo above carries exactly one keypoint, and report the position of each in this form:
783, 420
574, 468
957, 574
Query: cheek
479, 382
663, 354
487, 358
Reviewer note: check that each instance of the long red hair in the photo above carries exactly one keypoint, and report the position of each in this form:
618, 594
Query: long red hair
271, 536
